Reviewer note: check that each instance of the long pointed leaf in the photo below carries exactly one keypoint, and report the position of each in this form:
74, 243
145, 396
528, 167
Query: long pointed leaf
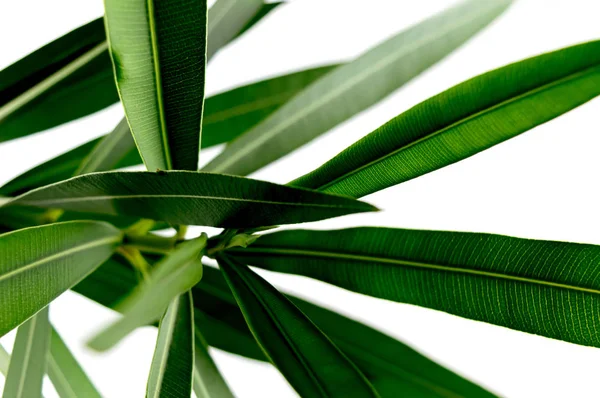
37, 264
28, 361
208, 382
67, 376
181, 197
158, 50
173, 361
311, 363
355, 86
542, 287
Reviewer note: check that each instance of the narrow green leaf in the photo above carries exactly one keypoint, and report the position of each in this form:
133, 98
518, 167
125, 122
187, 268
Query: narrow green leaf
67, 376
355, 86
463, 121
75, 69
191, 198
541, 287
264, 10
37, 264
311, 363
208, 382
28, 361
171, 277
173, 361
4, 361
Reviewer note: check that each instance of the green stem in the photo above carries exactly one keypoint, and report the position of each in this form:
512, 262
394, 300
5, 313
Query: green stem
150, 243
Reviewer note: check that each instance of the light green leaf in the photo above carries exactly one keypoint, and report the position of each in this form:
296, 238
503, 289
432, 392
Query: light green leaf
28, 361
171, 277
67, 376
208, 382
355, 86
541, 287
463, 120
37, 264
158, 50
4, 361
262, 12
310, 362
173, 361
191, 198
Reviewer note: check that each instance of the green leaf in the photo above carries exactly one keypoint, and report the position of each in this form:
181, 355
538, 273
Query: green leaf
158, 49
74, 69
4, 361
28, 362
67, 376
463, 121
355, 86
191, 198
262, 12
37, 264
541, 287
208, 382
311, 363
173, 361
232, 113
391, 366
171, 277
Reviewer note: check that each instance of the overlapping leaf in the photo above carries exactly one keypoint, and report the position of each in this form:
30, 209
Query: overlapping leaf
355, 86
208, 382
542, 287
180, 197
463, 120
39, 263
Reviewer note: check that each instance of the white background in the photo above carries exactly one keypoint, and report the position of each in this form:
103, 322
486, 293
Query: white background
542, 184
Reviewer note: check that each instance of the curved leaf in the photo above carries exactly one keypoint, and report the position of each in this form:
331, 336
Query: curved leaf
67, 376
173, 360
48, 260
208, 382
159, 73
355, 86
542, 287
28, 361
311, 363
183, 197
463, 120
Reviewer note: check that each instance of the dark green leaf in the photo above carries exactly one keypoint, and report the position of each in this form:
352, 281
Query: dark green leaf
208, 382
67, 376
311, 363
171, 277
355, 86
463, 120
542, 287
182, 197
158, 50
28, 361
173, 361
39, 263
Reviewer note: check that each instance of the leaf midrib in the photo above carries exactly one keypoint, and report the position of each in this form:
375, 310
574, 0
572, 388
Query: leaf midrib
412, 264
350, 83
476, 115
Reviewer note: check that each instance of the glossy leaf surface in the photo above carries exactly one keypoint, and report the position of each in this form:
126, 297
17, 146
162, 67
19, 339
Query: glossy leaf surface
355, 86
159, 71
311, 363
463, 120
28, 361
173, 360
39, 263
197, 198
542, 287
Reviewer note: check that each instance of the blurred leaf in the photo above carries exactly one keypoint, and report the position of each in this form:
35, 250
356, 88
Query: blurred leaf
67, 376
227, 19
354, 87
4, 361
73, 69
463, 120
48, 260
173, 360
171, 277
264, 10
160, 76
208, 382
28, 360
541, 287
191, 198
306, 357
